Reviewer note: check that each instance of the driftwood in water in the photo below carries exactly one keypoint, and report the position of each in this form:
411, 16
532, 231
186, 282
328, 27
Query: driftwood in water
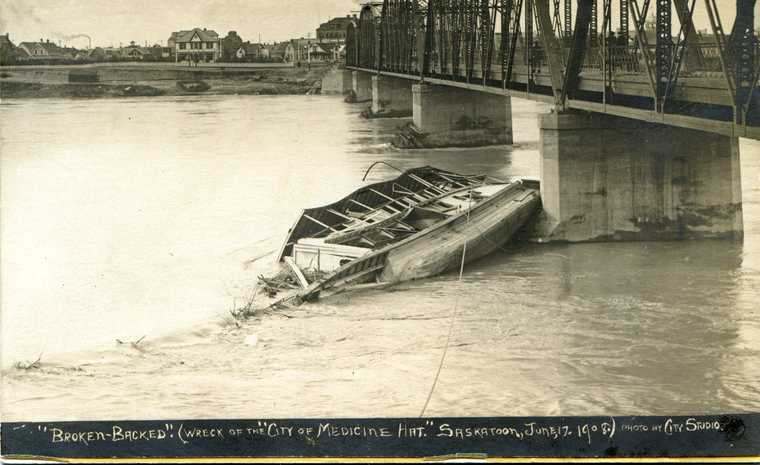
280, 282
409, 137
29, 365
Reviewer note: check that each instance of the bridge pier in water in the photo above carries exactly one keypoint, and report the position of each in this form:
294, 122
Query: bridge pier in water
391, 97
610, 178
337, 81
361, 87
453, 117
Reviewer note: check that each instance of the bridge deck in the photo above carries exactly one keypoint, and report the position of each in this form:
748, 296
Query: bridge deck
702, 89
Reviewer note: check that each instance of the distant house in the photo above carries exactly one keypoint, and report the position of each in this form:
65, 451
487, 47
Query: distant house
262, 52
43, 51
290, 53
307, 51
97, 54
277, 52
113, 54
335, 29
22, 54
196, 45
296, 50
153, 53
132, 52
249, 52
7, 50
336, 50
317, 53
34, 50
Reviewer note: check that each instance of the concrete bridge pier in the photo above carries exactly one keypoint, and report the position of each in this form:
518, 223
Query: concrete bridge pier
609, 178
337, 81
454, 117
361, 87
391, 97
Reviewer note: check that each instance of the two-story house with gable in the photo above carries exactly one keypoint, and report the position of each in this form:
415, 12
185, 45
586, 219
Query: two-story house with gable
196, 45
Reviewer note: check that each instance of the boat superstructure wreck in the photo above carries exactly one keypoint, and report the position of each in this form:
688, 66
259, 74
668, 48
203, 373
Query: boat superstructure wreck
414, 226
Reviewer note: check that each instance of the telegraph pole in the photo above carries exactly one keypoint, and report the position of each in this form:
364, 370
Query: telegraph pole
308, 48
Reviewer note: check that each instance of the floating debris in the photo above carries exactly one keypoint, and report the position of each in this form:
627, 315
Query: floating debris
193, 86
29, 365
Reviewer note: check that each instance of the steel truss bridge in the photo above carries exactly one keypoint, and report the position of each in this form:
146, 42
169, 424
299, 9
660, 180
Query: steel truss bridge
640, 59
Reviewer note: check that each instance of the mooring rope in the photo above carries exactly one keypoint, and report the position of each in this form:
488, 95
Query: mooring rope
453, 315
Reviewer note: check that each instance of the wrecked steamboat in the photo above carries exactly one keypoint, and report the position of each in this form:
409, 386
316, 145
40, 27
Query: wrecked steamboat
419, 224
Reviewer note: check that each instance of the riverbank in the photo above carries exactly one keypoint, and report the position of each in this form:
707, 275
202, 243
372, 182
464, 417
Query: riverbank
143, 81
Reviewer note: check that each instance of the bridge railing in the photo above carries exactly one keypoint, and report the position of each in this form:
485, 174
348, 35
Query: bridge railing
625, 59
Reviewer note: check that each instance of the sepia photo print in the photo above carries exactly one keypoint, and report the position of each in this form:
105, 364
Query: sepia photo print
394, 209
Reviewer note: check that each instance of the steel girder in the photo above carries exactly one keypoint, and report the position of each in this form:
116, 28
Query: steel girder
510, 30
478, 40
369, 42
623, 15
398, 32
557, 21
352, 45
663, 47
744, 51
577, 49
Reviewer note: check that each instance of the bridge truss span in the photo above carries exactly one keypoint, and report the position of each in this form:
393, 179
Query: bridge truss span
684, 63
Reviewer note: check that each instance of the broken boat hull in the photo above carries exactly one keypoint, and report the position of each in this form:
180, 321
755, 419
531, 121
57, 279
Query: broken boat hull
488, 227
414, 226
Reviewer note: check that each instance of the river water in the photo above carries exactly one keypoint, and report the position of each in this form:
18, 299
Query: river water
124, 219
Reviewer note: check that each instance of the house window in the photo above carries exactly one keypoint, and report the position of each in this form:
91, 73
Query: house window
210, 45
182, 46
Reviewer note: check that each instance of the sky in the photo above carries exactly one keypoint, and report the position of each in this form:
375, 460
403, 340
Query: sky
114, 22
111, 22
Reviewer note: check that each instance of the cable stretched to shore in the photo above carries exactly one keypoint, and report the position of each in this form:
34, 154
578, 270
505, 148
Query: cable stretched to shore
453, 316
